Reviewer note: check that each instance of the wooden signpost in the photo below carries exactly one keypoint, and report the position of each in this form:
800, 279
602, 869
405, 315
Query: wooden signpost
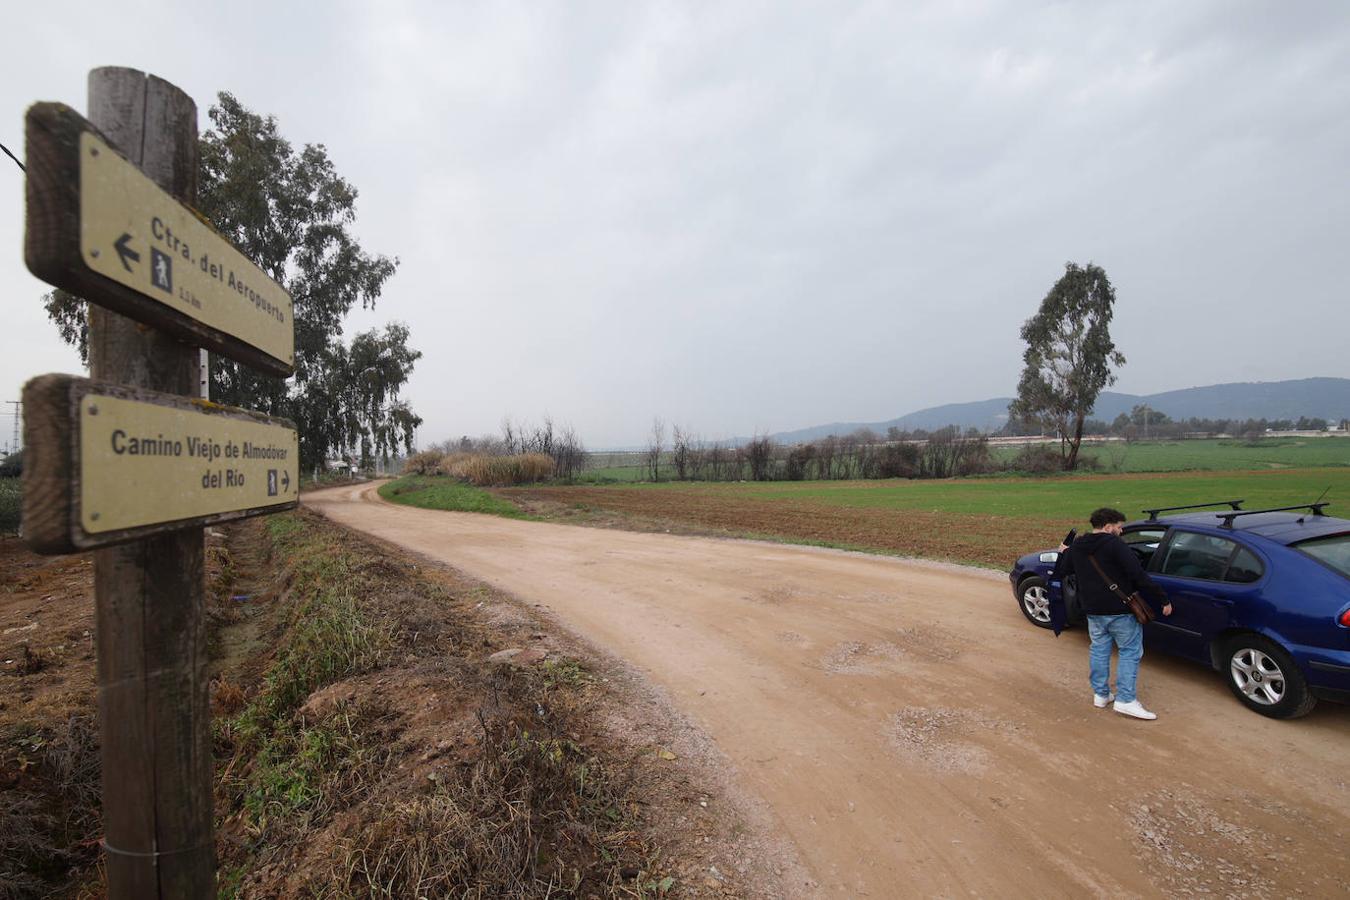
131, 462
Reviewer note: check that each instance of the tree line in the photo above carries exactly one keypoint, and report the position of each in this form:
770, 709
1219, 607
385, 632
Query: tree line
862, 454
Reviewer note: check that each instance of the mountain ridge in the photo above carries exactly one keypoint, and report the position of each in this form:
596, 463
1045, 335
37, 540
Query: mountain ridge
1321, 397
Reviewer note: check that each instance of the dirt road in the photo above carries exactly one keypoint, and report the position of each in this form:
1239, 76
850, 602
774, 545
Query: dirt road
911, 734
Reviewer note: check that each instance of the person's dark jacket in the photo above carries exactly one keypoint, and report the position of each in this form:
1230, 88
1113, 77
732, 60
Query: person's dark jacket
1121, 565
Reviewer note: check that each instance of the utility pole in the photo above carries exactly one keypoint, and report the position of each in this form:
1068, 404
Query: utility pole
18, 419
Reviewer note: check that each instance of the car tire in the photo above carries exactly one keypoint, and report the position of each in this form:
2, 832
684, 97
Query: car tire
1265, 678
1033, 598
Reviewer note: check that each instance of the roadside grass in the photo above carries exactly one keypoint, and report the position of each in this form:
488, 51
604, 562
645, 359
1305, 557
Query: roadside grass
11, 503
443, 492
362, 795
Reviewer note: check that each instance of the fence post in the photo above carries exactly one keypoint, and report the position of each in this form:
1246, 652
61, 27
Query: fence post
153, 700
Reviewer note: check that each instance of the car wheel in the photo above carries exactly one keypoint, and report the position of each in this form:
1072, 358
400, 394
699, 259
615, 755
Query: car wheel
1034, 599
1264, 677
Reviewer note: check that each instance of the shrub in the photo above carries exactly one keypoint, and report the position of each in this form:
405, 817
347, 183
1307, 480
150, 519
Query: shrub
427, 462
11, 506
1037, 459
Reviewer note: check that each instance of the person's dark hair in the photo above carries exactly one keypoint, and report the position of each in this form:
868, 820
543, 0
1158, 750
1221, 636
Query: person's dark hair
1100, 518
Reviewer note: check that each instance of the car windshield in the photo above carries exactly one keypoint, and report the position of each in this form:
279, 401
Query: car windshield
1334, 551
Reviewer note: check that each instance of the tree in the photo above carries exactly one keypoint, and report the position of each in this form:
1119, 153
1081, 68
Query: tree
291, 214
655, 445
1069, 356
681, 452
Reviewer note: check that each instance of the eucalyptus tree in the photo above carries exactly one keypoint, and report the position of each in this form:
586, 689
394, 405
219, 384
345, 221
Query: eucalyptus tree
1069, 356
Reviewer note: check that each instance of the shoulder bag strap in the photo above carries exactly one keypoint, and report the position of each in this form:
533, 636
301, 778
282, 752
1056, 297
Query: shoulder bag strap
1111, 585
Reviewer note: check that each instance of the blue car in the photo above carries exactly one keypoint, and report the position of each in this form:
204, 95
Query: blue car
1262, 596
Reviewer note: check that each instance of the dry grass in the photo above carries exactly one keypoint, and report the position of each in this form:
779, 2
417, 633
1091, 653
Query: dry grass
378, 756
49, 823
532, 815
489, 471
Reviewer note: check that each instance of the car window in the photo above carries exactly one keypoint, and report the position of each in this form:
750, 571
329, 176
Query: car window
1334, 551
1245, 567
1192, 555
1144, 543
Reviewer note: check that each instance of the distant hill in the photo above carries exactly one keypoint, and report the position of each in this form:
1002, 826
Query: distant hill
1327, 398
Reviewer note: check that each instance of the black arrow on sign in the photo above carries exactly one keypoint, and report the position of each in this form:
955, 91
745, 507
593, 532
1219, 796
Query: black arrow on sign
125, 252
285, 480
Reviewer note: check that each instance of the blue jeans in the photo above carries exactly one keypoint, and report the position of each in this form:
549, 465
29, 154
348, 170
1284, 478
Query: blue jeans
1128, 635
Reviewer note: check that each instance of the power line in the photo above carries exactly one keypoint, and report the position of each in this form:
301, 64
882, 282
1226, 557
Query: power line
21, 166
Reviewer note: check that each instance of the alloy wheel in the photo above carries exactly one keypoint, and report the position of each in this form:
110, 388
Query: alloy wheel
1036, 601
1258, 676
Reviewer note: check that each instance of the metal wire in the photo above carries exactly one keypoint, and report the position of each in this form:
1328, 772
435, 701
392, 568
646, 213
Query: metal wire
21, 166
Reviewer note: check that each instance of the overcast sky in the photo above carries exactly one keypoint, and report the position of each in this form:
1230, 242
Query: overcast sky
742, 216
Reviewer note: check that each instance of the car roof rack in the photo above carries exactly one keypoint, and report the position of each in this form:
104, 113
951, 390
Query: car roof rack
1153, 513
1315, 507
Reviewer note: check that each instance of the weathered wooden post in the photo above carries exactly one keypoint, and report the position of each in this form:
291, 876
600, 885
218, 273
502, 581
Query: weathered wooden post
150, 625
132, 463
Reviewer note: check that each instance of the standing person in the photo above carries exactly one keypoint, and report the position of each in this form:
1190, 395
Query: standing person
1109, 622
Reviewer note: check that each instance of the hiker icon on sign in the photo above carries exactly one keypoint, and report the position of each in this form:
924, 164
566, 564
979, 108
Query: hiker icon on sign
161, 270
271, 482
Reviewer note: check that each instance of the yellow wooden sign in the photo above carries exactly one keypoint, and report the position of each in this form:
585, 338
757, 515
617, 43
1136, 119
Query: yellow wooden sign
135, 234
144, 463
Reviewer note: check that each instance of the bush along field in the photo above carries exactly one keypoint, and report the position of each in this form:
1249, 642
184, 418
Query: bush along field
368, 738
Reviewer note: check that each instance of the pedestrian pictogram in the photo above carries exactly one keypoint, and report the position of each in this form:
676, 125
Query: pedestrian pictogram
161, 270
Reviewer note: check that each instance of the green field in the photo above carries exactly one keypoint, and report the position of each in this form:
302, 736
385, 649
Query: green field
439, 492
1220, 454
1070, 497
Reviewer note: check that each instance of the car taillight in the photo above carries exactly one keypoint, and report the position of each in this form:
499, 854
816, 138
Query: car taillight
1345, 618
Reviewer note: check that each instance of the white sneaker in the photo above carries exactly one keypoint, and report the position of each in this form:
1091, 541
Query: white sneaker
1101, 701
1134, 708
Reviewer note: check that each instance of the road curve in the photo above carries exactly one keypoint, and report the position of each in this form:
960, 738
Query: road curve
911, 733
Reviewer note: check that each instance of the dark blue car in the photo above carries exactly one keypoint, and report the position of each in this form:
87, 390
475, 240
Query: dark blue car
1260, 595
